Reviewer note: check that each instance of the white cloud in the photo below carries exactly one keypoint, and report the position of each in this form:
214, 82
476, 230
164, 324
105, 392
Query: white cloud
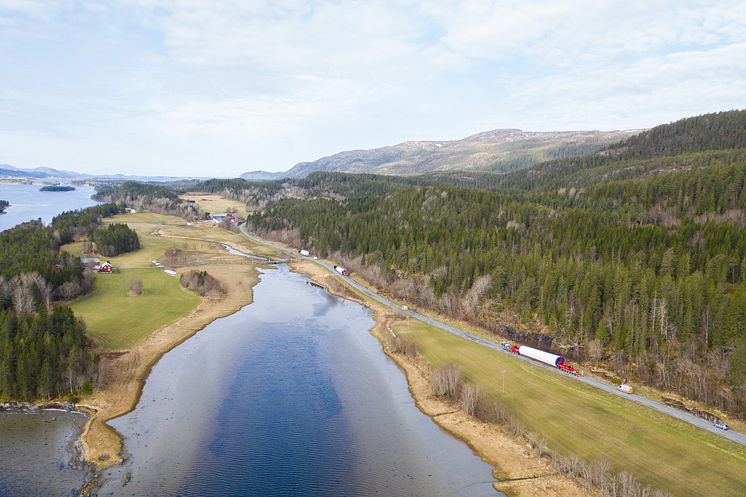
245, 84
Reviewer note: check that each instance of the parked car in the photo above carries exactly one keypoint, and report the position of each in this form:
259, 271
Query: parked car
721, 425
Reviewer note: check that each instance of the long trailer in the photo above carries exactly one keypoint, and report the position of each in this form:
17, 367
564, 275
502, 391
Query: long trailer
341, 270
554, 360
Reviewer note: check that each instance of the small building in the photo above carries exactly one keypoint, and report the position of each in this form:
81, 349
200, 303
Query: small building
106, 267
132, 211
90, 262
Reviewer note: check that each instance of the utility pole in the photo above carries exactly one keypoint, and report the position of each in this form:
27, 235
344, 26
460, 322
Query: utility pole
503, 382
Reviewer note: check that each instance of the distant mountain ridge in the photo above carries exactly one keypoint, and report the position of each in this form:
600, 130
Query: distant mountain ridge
6, 170
498, 150
49, 174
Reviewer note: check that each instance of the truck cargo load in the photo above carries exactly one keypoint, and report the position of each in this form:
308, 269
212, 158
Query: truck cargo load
341, 270
541, 356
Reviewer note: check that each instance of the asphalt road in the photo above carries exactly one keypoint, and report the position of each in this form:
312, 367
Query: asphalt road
658, 406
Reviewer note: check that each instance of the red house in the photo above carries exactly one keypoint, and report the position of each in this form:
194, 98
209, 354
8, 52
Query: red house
106, 267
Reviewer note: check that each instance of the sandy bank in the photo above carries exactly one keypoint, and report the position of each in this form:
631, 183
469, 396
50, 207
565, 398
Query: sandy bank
123, 373
520, 472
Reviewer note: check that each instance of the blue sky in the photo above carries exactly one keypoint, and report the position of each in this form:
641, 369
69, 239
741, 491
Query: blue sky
207, 88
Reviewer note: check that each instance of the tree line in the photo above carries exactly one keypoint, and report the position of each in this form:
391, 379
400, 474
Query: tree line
115, 239
43, 354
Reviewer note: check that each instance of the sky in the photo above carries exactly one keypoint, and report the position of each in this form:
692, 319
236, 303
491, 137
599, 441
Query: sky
218, 88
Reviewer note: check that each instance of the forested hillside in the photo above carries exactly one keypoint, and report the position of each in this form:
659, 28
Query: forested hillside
153, 197
703, 141
721, 131
645, 272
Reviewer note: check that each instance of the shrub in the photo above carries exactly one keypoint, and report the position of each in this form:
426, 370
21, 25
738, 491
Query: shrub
470, 396
135, 287
445, 381
202, 283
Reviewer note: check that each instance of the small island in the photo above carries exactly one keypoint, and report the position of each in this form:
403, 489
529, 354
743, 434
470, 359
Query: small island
56, 188
3, 205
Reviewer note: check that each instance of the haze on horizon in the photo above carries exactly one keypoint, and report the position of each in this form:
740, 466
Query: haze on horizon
219, 88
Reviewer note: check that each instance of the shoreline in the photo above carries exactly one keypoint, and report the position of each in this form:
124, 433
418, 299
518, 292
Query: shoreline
101, 444
519, 472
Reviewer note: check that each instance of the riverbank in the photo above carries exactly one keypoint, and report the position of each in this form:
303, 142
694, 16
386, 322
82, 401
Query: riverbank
125, 372
520, 472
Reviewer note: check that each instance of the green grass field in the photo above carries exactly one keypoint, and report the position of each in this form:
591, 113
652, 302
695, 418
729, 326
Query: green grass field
116, 320
215, 204
575, 418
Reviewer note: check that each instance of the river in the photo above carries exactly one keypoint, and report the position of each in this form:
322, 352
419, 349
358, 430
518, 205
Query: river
27, 203
289, 396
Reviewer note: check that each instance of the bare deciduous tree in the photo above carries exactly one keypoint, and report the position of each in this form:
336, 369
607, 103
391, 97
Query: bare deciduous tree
470, 396
135, 287
445, 381
595, 350
29, 291
480, 288
69, 290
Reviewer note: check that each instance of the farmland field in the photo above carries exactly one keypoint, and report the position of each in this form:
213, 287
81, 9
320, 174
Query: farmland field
576, 419
117, 320
215, 204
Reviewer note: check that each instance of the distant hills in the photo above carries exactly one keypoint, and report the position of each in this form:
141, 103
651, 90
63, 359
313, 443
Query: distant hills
40, 173
499, 150
51, 175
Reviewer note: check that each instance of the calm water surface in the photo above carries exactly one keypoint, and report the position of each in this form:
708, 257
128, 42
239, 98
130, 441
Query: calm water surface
289, 396
36, 455
27, 203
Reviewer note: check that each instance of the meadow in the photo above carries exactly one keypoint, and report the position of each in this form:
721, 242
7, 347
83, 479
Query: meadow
575, 418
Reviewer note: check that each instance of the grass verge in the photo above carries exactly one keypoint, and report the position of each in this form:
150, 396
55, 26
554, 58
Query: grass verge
576, 419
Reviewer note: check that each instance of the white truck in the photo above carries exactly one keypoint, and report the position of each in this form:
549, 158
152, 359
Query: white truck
625, 388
